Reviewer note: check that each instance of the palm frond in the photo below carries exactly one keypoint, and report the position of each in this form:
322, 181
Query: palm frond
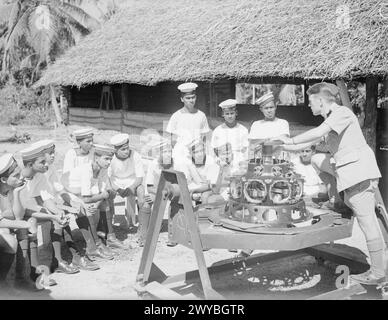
28, 62
42, 39
77, 14
21, 28
5, 13
68, 19
14, 15
3, 31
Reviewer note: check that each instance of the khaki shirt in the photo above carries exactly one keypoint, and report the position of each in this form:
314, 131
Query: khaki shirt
354, 159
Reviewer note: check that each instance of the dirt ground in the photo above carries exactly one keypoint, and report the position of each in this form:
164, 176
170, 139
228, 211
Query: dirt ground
298, 277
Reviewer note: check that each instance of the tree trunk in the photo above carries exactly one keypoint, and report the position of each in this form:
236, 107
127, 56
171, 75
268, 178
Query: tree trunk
371, 111
55, 106
344, 94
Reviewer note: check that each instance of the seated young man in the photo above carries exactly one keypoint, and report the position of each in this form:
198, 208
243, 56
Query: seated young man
313, 185
126, 177
199, 172
225, 168
9, 178
82, 153
9, 243
163, 162
63, 200
36, 196
15, 216
88, 185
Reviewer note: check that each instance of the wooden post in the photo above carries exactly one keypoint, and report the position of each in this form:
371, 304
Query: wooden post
125, 96
69, 101
371, 111
305, 95
344, 94
55, 106
211, 93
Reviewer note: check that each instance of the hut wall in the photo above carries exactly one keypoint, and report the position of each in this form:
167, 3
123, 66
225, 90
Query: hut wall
157, 103
134, 122
90, 96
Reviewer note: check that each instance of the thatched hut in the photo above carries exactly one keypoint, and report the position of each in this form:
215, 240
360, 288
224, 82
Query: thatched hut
134, 62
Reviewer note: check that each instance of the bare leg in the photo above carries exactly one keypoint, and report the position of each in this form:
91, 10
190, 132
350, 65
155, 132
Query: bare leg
360, 198
144, 215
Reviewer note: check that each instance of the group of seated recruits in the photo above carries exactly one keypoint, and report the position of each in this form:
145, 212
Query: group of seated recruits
82, 199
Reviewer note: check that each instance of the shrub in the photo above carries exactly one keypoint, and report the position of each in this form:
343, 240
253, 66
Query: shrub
27, 106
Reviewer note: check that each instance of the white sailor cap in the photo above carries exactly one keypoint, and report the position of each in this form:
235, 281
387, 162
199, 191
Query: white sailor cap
265, 99
103, 150
119, 139
230, 103
187, 87
83, 133
33, 151
45, 144
6, 161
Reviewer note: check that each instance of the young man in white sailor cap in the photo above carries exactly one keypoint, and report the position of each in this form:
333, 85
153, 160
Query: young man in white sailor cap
9, 179
154, 170
63, 200
88, 184
233, 134
37, 194
126, 176
186, 124
199, 171
270, 126
313, 185
163, 162
82, 153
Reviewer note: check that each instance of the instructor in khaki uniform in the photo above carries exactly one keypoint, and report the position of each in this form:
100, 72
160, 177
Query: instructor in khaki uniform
354, 168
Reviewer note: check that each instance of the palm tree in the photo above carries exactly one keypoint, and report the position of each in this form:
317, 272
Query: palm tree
45, 28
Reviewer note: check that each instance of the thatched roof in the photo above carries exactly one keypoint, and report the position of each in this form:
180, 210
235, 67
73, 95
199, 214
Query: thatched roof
154, 41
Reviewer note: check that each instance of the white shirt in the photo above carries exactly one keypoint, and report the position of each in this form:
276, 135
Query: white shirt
312, 182
53, 180
188, 127
153, 173
6, 206
123, 173
72, 160
80, 181
263, 129
236, 136
37, 186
